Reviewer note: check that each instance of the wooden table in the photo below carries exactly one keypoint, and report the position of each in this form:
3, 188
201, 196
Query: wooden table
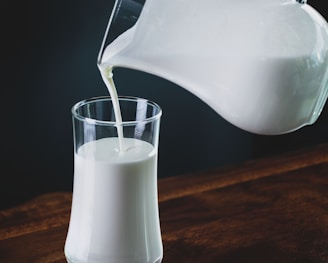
261, 211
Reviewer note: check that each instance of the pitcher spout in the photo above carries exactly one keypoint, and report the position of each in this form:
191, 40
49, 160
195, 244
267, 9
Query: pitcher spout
124, 16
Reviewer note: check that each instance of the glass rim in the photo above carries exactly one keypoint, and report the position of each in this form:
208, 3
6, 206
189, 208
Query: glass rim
94, 121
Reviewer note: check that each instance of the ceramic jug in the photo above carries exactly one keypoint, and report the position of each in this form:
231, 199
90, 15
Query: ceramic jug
260, 64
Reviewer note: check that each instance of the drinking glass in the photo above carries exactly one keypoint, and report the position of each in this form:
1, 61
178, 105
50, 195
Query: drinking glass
115, 215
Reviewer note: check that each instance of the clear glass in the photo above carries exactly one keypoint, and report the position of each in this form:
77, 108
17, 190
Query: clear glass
115, 215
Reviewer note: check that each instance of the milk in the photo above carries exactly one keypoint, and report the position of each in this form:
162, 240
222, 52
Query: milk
114, 214
107, 76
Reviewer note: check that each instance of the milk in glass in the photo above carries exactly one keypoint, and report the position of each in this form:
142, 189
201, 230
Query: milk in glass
115, 212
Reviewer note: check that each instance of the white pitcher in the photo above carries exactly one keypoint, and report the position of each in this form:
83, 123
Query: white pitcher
260, 64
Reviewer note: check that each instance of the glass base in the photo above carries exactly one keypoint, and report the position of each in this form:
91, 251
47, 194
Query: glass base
70, 260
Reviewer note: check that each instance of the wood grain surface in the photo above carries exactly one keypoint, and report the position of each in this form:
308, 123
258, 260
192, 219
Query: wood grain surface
261, 211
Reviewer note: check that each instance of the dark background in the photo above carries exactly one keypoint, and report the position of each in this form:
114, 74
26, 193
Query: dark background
50, 50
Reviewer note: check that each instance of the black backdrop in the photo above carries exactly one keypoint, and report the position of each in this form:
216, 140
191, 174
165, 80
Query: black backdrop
49, 51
